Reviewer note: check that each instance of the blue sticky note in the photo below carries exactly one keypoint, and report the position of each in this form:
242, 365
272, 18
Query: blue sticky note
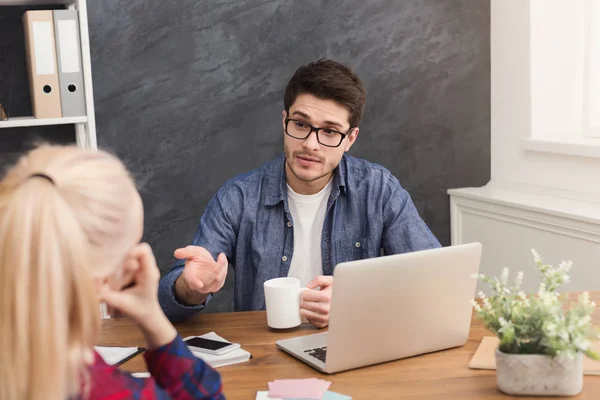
328, 395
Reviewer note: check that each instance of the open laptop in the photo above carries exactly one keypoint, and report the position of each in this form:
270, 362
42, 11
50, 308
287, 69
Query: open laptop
392, 307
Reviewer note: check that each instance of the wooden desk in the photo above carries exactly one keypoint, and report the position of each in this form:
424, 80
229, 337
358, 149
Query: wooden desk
441, 375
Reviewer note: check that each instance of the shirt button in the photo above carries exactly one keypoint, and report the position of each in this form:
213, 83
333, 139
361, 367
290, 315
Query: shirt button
284, 258
289, 224
357, 244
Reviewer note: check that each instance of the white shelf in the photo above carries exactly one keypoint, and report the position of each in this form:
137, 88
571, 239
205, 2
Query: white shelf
33, 2
583, 147
31, 121
550, 204
85, 127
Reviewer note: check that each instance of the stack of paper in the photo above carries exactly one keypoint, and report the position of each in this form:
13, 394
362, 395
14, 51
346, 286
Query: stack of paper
233, 357
328, 395
116, 355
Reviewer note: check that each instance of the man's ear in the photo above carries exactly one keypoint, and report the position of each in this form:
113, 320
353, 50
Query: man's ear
283, 117
351, 139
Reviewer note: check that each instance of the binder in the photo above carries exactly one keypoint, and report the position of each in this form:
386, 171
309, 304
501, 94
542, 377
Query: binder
41, 63
68, 55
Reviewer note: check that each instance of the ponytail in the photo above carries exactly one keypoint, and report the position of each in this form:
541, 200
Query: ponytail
68, 217
48, 306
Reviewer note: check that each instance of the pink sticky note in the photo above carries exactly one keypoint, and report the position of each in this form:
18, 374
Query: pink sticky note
311, 388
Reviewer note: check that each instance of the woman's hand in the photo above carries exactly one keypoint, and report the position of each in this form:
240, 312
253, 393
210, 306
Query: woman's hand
139, 300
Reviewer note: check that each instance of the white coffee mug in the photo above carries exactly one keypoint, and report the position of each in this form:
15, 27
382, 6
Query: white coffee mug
282, 297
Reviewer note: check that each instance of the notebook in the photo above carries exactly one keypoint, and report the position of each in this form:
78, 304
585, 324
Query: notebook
117, 355
233, 357
485, 357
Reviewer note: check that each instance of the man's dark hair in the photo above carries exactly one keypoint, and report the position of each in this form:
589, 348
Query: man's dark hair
328, 80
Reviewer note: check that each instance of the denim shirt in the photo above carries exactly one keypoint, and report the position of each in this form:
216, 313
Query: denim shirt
248, 219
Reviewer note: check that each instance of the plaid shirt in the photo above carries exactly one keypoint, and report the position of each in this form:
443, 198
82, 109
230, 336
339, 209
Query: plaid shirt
176, 374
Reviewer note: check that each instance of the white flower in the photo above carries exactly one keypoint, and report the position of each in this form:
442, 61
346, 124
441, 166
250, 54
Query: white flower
502, 321
497, 285
536, 256
551, 329
565, 266
476, 306
585, 297
486, 304
584, 321
581, 344
485, 301
519, 279
477, 276
563, 335
504, 276
549, 300
542, 288
523, 297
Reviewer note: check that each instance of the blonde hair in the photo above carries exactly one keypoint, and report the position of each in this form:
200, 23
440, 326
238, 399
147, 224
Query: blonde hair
56, 235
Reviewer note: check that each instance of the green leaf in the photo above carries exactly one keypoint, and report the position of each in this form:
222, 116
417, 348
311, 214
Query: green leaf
592, 354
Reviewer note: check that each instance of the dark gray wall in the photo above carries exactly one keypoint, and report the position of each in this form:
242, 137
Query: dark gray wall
189, 93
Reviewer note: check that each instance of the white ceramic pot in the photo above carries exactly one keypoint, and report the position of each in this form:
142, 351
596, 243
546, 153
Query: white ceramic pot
539, 375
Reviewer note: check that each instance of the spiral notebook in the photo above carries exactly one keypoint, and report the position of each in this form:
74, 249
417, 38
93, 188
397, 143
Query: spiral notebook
117, 355
485, 357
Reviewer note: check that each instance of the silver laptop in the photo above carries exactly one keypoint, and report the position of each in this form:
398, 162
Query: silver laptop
392, 307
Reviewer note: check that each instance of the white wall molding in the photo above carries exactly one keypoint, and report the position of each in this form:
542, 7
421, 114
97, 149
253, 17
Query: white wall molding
510, 222
464, 202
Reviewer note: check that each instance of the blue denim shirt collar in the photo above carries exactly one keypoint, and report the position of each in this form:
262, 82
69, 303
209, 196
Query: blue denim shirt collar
276, 190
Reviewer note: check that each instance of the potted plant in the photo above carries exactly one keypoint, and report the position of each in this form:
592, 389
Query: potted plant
543, 336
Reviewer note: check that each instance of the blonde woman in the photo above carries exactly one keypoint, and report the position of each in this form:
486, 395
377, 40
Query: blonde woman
70, 224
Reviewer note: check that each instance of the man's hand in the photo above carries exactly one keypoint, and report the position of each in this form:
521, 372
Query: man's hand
201, 274
316, 304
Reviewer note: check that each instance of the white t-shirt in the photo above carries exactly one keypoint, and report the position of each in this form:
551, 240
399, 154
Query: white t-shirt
308, 216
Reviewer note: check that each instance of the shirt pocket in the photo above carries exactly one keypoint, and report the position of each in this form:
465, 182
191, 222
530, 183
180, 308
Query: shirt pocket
358, 248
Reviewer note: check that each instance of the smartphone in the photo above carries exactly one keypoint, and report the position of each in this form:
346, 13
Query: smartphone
209, 346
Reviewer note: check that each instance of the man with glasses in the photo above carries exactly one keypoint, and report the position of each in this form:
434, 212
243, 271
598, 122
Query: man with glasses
302, 213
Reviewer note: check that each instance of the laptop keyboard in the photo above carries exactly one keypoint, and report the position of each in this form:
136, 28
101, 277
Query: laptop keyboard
320, 353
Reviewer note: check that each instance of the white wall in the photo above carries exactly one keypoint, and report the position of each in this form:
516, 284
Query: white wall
536, 91
556, 52
541, 200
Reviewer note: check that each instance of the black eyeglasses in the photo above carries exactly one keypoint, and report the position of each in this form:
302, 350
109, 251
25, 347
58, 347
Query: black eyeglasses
326, 136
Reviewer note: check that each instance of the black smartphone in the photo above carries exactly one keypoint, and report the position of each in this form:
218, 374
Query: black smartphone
210, 346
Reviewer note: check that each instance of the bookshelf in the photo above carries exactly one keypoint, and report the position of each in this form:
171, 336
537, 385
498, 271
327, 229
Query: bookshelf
85, 127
